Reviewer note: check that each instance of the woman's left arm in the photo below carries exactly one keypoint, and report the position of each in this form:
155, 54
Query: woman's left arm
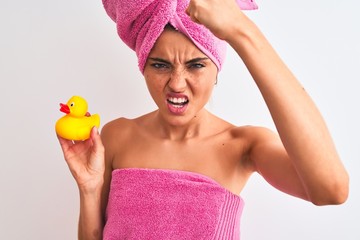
307, 149
302, 130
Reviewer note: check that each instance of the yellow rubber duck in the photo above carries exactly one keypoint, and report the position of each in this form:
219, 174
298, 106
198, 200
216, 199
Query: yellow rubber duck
77, 123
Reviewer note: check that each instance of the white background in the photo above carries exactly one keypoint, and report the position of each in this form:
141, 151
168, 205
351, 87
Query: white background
51, 50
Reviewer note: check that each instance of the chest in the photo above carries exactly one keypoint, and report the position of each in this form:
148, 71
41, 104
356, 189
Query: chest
220, 158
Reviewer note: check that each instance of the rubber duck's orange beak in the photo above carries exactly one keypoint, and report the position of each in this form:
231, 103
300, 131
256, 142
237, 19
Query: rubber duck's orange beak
64, 108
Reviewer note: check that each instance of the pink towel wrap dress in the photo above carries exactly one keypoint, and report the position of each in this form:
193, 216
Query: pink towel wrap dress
170, 204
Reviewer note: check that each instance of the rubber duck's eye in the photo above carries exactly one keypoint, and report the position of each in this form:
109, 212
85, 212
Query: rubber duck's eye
72, 104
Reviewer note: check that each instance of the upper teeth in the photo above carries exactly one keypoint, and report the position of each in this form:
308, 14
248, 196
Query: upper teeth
177, 100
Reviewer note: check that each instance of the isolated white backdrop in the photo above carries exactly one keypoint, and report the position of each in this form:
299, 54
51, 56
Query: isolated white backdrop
51, 50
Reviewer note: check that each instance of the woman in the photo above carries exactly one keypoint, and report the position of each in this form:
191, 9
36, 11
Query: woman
195, 155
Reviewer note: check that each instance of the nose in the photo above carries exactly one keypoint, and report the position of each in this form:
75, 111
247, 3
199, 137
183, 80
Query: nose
178, 80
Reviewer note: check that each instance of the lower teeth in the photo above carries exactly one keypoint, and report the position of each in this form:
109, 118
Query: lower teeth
177, 106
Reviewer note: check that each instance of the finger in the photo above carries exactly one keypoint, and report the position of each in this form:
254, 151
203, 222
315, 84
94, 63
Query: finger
96, 139
187, 11
64, 143
192, 16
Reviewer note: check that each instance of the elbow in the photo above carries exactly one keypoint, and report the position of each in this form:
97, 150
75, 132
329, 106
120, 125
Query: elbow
335, 193
334, 199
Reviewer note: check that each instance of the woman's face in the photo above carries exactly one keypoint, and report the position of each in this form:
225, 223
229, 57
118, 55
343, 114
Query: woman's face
180, 78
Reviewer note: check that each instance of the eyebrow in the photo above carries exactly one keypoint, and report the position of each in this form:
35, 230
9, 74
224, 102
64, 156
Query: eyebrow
199, 59
190, 61
159, 60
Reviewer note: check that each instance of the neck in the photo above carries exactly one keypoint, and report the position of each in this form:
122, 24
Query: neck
182, 131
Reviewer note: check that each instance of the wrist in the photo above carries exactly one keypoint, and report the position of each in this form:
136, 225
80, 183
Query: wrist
93, 187
244, 34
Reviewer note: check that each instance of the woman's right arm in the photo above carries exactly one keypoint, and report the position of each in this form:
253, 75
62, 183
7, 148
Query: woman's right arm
86, 161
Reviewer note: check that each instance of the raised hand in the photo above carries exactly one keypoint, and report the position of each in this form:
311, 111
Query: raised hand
85, 160
219, 16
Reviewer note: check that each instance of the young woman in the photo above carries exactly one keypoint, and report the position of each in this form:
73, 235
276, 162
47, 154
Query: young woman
177, 172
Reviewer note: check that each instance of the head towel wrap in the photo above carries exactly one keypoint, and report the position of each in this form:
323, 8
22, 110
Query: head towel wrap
140, 22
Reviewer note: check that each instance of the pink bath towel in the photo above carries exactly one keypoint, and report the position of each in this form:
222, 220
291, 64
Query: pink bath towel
156, 204
140, 23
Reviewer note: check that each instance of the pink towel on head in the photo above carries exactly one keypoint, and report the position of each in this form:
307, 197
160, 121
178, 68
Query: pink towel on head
170, 205
140, 23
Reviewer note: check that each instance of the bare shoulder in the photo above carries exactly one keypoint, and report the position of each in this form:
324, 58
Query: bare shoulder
255, 134
115, 133
113, 128
264, 146
118, 132
259, 141
249, 135
116, 124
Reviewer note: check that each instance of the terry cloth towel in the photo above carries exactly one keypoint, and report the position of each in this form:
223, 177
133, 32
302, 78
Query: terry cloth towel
140, 23
170, 205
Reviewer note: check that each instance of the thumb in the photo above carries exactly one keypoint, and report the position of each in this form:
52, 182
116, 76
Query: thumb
96, 139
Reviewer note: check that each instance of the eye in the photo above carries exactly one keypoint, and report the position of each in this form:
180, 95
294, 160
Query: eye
196, 65
72, 104
160, 65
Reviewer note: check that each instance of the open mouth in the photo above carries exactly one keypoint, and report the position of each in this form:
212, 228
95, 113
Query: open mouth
178, 102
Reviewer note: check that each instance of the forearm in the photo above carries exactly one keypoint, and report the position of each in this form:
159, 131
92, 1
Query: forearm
300, 125
91, 219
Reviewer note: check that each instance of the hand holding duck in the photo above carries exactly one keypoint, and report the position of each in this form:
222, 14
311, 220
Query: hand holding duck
77, 123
